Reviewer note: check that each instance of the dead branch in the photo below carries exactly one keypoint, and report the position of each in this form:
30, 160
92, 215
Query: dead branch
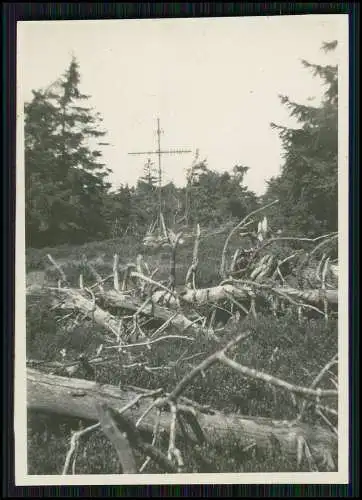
154, 439
316, 381
119, 440
174, 453
191, 273
173, 396
58, 268
269, 379
326, 420
98, 278
149, 342
136, 441
325, 238
174, 243
233, 231
324, 242
188, 415
154, 283
126, 276
74, 443
115, 272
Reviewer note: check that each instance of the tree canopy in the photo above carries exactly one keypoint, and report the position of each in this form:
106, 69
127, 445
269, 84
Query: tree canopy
65, 178
307, 186
69, 199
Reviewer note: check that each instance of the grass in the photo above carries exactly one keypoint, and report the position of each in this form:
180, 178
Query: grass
101, 255
279, 346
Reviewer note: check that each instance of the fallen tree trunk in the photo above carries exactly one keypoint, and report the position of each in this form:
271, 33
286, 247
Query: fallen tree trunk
223, 292
178, 320
73, 299
313, 296
78, 398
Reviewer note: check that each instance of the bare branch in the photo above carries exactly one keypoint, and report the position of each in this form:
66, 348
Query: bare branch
163, 326
236, 228
327, 409
97, 276
115, 272
326, 420
138, 398
135, 440
174, 242
154, 341
203, 366
316, 381
269, 379
326, 239
156, 430
58, 268
189, 415
155, 283
238, 304
156, 403
119, 440
74, 445
191, 273
126, 275
174, 453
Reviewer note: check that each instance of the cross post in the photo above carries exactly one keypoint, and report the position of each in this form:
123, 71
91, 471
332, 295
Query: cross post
159, 152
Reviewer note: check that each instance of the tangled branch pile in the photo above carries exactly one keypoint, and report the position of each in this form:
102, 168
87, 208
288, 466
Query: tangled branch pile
137, 311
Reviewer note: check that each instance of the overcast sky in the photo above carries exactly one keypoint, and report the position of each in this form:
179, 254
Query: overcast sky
214, 84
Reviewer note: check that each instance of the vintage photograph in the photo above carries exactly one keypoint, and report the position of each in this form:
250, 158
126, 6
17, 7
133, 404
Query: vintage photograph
181, 254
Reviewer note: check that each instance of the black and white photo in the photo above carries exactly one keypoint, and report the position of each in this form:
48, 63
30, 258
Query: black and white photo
182, 251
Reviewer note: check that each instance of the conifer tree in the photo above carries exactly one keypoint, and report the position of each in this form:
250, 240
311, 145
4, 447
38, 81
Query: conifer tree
149, 176
308, 184
65, 178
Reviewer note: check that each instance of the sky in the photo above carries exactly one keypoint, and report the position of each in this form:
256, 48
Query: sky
213, 82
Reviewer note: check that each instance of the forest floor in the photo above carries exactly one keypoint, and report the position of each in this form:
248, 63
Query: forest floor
280, 346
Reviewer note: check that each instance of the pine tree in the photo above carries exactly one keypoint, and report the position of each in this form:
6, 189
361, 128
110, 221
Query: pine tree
118, 210
308, 184
217, 197
65, 179
193, 174
149, 176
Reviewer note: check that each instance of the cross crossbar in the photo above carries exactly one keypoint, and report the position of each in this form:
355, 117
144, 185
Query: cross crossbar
160, 152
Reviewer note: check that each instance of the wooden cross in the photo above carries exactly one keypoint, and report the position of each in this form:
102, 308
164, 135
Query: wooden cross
159, 152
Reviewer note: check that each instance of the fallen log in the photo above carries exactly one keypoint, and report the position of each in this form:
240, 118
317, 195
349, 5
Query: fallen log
176, 319
313, 296
79, 398
218, 293
74, 299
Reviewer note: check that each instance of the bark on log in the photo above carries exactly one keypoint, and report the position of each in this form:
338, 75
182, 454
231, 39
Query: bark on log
313, 296
74, 299
78, 398
222, 292
178, 320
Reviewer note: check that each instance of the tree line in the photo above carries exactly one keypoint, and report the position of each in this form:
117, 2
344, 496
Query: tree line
70, 200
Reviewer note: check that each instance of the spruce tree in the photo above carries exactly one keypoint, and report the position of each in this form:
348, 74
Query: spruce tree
308, 184
65, 178
149, 176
